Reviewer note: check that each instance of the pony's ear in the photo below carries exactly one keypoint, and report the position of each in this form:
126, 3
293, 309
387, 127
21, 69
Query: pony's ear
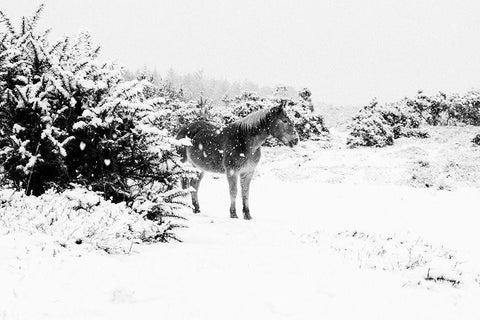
277, 109
280, 107
284, 103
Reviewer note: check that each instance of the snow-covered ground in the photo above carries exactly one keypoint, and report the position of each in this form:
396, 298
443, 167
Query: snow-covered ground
337, 234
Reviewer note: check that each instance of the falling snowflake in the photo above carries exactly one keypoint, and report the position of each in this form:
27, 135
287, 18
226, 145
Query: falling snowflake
82, 145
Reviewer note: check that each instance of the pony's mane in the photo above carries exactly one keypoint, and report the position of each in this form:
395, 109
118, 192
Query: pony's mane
255, 120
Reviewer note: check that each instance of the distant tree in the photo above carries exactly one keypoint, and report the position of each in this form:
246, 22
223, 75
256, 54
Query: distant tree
197, 84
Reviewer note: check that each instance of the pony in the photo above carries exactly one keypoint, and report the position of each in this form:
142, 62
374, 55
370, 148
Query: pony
234, 150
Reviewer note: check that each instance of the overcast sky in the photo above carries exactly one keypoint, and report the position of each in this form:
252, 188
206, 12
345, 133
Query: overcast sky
347, 52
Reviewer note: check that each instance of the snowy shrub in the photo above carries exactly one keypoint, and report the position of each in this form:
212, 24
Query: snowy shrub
403, 120
369, 128
244, 104
476, 139
66, 117
469, 106
378, 125
79, 217
310, 126
421, 104
176, 110
191, 111
179, 111
441, 109
239, 107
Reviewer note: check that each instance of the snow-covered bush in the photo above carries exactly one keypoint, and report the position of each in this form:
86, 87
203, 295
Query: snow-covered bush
309, 125
369, 128
403, 120
79, 218
66, 117
476, 139
186, 112
468, 108
244, 104
428, 109
378, 125
441, 109
176, 110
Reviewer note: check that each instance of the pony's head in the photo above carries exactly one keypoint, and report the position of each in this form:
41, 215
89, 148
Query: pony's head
281, 127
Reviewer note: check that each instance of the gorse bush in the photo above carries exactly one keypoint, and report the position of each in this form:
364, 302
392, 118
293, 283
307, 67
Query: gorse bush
240, 106
66, 117
476, 139
176, 110
179, 111
465, 109
441, 109
378, 125
403, 120
310, 126
370, 128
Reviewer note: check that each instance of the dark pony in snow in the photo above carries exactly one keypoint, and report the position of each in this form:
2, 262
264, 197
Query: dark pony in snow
234, 150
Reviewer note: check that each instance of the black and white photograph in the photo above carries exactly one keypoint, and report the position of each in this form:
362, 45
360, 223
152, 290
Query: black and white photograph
256, 159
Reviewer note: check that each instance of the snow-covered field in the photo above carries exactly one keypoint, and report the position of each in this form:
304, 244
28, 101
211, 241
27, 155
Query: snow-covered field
337, 234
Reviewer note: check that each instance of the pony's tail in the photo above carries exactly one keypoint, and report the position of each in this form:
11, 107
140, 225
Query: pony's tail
182, 150
190, 131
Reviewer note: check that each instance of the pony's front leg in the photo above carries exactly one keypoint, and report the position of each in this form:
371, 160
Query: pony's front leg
245, 179
232, 178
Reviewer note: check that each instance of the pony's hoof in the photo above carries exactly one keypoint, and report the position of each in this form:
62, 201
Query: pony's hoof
249, 217
233, 216
196, 210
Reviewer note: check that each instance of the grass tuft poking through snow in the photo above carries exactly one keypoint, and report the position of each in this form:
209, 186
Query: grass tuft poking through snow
421, 262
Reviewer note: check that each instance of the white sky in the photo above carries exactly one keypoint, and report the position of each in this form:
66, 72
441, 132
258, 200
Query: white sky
347, 52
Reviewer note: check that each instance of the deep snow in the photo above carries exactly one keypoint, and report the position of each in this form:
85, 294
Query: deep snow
314, 250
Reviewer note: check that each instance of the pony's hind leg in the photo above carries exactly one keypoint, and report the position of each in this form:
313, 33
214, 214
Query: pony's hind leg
232, 178
195, 183
185, 183
245, 179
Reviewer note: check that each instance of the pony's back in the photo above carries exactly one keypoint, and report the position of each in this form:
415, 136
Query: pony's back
190, 131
